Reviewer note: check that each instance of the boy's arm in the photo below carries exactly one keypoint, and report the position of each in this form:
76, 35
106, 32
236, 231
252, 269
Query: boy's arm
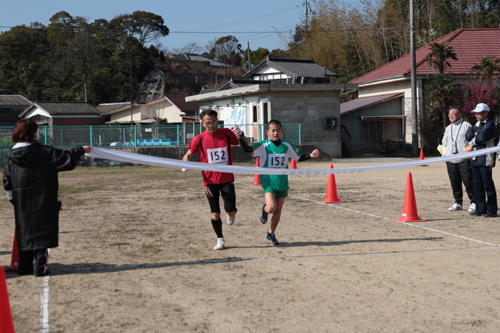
314, 154
244, 144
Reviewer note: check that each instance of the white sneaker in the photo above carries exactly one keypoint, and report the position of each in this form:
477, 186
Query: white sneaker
220, 244
472, 207
230, 219
455, 207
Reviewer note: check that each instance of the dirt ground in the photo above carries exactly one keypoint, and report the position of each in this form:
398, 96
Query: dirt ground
136, 255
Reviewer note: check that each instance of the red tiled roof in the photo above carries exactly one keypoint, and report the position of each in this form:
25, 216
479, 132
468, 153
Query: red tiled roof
470, 45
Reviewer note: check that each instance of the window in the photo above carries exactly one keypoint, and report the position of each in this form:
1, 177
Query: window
254, 113
264, 107
329, 123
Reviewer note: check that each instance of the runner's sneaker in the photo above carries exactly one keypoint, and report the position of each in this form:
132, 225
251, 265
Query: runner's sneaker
472, 207
263, 215
272, 238
456, 207
220, 244
230, 219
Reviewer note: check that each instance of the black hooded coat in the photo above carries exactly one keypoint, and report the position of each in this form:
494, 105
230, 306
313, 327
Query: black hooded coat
31, 174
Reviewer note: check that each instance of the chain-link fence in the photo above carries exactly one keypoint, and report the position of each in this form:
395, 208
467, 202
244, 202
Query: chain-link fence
137, 135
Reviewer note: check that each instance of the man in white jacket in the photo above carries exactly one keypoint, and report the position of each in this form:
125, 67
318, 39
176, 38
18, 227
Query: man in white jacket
459, 170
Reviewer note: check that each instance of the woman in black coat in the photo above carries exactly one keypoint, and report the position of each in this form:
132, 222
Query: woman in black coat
30, 179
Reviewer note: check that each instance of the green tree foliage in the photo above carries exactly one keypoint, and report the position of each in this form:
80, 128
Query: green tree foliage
439, 56
487, 68
256, 57
55, 62
227, 50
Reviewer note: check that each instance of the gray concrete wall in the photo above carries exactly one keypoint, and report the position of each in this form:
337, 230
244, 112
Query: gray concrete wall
309, 108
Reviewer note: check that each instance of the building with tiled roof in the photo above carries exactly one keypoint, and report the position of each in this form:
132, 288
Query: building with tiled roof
11, 106
284, 70
63, 114
161, 110
291, 90
390, 85
197, 57
238, 83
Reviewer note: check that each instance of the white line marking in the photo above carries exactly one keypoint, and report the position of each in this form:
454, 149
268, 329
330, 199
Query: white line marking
385, 218
44, 304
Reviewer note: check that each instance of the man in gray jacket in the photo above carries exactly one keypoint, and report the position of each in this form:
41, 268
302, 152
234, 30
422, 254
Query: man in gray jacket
459, 170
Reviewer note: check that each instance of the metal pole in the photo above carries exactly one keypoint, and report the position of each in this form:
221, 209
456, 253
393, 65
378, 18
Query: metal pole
131, 105
248, 47
414, 125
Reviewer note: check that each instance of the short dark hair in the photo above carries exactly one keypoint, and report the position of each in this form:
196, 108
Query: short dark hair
455, 108
274, 122
207, 112
25, 131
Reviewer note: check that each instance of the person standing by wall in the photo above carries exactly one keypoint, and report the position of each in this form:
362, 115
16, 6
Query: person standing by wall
481, 136
31, 182
459, 171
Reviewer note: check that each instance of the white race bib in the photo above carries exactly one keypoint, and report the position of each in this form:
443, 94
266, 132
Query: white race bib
277, 161
217, 156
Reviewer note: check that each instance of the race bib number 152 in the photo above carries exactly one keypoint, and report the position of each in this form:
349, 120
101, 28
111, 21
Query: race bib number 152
217, 156
277, 161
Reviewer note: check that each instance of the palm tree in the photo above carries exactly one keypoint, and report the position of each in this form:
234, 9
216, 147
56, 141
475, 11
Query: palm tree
487, 68
441, 87
439, 55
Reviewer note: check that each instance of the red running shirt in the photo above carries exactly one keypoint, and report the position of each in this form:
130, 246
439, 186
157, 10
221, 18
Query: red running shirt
215, 149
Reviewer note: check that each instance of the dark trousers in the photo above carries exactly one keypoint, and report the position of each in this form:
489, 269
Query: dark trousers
461, 173
484, 189
33, 262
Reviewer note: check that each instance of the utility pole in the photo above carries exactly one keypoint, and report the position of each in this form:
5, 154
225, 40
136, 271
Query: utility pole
414, 125
305, 5
131, 104
248, 48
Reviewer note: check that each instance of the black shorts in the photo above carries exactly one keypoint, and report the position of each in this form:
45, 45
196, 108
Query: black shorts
228, 196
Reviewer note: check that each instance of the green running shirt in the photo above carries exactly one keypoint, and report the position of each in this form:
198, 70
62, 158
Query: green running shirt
271, 156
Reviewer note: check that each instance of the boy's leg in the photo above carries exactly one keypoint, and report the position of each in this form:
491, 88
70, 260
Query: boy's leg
276, 214
271, 205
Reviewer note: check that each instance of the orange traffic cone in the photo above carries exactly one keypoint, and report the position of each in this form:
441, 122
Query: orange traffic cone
6, 322
256, 179
14, 259
410, 213
422, 156
331, 190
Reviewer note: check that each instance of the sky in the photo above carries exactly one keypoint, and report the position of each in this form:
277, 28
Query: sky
189, 21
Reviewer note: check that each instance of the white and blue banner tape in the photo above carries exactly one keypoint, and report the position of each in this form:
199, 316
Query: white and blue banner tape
121, 156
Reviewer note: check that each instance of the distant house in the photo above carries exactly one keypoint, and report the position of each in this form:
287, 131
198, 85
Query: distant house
184, 72
11, 107
290, 90
162, 110
63, 114
197, 57
293, 71
383, 108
